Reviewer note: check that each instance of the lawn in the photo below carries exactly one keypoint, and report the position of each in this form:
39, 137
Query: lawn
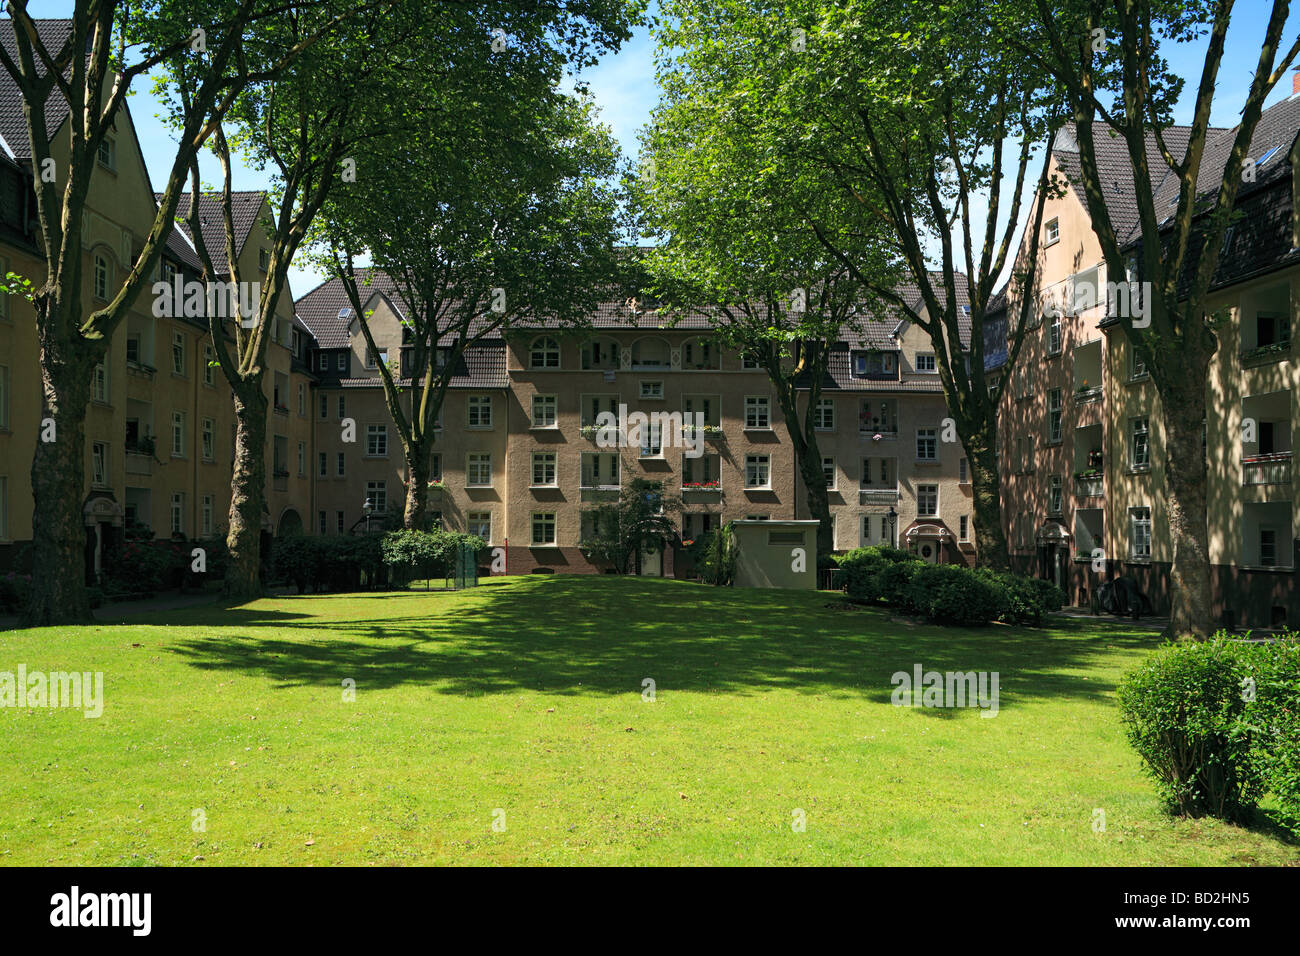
521, 703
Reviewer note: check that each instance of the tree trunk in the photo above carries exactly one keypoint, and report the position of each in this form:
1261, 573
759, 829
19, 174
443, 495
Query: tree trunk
416, 515
58, 474
808, 459
247, 493
1182, 404
990, 537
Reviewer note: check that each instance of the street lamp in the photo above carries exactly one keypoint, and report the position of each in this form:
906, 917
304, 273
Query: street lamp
368, 507
893, 523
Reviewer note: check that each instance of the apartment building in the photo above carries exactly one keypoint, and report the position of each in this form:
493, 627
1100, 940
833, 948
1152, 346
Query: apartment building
519, 457
159, 429
1082, 444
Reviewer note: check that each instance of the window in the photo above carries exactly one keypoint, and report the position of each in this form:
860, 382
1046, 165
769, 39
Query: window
697, 354
1139, 447
927, 501
341, 363
927, 444
1136, 367
322, 467
824, 415
209, 370
4, 296
544, 353
377, 495
749, 362
324, 406
375, 357
480, 411
925, 363
544, 468
302, 459
1139, 521
264, 259
178, 434
479, 523
757, 471
1054, 415
1054, 495
1052, 232
963, 528
1054, 333
543, 529
178, 353
652, 440
654, 390
879, 473
828, 471
757, 412
340, 466
324, 366
323, 522
435, 466
4, 397
478, 471
205, 515
4, 508
339, 525
963, 471
594, 405
107, 153
875, 364
99, 382
544, 411
99, 464
1268, 547
207, 437
101, 278
133, 349
178, 512
302, 399
602, 470
376, 441
600, 354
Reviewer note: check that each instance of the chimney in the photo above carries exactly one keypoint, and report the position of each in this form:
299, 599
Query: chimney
1295, 80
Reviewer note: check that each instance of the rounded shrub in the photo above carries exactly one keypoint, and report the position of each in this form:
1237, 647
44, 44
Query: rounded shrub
1185, 711
952, 594
1022, 599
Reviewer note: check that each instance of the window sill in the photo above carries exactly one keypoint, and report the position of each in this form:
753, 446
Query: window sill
758, 428
1267, 568
544, 428
208, 460
478, 428
930, 462
1138, 379
1144, 561
179, 457
374, 458
477, 487
541, 487
1138, 470
1054, 442
758, 488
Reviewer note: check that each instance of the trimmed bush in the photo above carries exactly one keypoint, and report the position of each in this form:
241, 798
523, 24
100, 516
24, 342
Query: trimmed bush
415, 555
1185, 713
1023, 600
327, 563
141, 569
1275, 711
951, 594
874, 573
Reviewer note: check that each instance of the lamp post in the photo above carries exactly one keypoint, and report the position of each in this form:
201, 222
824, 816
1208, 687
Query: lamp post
893, 527
368, 507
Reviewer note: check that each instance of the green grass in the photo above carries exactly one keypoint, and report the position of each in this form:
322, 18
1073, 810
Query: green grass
526, 695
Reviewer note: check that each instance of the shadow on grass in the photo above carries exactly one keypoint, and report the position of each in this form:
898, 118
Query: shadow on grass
572, 635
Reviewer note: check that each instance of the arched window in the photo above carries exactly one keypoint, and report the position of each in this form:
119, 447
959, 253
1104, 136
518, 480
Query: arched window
651, 353
544, 353
101, 277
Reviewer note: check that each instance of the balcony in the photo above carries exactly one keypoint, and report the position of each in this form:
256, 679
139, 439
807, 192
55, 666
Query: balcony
878, 496
1085, 396
1089, 484
1270, 469
1265, 354
706, 487
138, 463
886, 432
711, 433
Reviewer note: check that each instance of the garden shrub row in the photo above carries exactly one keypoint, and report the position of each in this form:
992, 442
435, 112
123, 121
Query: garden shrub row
422, 555
326, 563
946, 593
1217, 724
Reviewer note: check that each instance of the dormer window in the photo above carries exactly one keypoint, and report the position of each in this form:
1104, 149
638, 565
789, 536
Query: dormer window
875, 364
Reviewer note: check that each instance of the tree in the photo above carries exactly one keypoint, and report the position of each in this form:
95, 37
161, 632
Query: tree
640, 521
305, 125
504, 216
735, 219
89, 70
1107, 58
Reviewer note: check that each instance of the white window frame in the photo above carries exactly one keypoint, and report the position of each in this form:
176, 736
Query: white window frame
544, 353
1133, 432
1139, 533
545, 469
824, 415
545, 518
921, 494
479, 523
377, 495
208, 440
652, 391
475, 462
178, 434
376, 441
545, 402
829, 461
922, 363
930, 436
176, 512
1052, 232
758, 413
178, 352
755, 466
480, 407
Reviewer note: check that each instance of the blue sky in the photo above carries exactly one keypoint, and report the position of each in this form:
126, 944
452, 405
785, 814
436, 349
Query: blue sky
624, 89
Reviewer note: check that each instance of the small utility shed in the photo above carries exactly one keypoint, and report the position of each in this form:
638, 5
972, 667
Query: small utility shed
775, 554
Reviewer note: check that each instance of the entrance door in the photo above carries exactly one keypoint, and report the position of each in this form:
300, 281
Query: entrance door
929, 551
652, 564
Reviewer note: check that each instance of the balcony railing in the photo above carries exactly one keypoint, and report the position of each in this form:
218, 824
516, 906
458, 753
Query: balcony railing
878, 496
1271, 469
869, 431
714, 487
1083, 396
138, 463
1089, 486
711, 432
1264, 354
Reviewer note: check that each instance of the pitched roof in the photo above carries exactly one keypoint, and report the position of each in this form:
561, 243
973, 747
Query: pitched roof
244, 209
13, 124
483, 365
